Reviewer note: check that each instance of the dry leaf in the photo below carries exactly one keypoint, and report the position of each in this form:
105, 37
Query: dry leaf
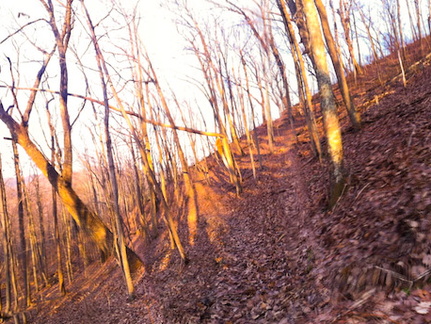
423, 308
427, 260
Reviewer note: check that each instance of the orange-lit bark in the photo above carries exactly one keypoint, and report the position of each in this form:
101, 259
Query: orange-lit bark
301, 74
335, 54
328, 106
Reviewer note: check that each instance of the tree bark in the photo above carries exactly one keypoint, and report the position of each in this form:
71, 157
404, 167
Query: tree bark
21, 226
334, 52
301, 74
7, 249
328, 106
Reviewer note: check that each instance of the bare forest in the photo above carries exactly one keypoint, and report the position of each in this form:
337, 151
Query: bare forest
203, 161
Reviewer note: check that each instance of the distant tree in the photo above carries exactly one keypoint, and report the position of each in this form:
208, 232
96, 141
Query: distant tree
214, 89
345, 11
367, 23
21, 225
418, 17
54, 205
190, 189
267, 42
8, 302
120, 244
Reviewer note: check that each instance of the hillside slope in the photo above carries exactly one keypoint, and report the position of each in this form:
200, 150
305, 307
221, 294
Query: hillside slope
276, 255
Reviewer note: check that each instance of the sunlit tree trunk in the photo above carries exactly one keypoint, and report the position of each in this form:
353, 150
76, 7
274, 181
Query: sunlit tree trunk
137, 69
167, 165
62, 183
67, 243
229, 111
328, 105
36, 264
335, 54
134, 260
265, 102
268, 47
41, 223
301, 74
190, 190
214, 84
245, 121
138, 192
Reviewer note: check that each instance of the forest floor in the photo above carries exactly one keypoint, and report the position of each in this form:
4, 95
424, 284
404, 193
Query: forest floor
277, 254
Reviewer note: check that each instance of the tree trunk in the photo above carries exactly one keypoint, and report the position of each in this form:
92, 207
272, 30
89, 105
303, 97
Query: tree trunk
418, 21
328, 106
334, 52
190, 189
303, 87
412, 24
7, 249
344, 11
41, 225
22, 236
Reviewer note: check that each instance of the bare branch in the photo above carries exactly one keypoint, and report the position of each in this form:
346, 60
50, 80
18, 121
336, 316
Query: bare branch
21, 29
128, 112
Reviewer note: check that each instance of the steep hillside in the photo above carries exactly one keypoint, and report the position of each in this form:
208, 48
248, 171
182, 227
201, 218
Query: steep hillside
277, 255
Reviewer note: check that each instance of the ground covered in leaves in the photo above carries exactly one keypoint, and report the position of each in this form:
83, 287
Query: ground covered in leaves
276, 254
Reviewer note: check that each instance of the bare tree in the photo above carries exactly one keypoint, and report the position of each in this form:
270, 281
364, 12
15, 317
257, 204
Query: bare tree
266, 40
9, 257
301, 75
335, 54
328, 106
215, 93
345, 10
